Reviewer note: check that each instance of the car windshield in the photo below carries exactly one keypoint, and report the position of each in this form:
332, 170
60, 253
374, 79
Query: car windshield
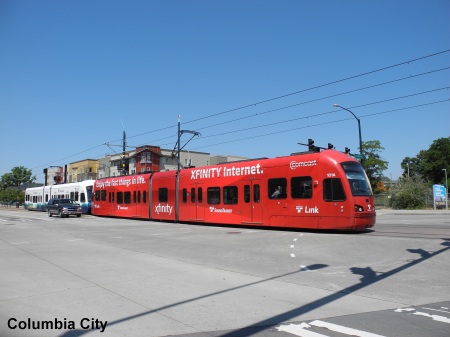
359, 183
67, 201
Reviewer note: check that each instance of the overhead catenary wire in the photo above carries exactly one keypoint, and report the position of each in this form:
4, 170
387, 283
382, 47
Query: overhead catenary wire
300, 91
324, 123
278, 98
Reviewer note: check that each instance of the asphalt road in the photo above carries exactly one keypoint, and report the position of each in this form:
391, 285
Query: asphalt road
112, 277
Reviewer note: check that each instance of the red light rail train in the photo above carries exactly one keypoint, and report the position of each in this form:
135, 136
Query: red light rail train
314, 190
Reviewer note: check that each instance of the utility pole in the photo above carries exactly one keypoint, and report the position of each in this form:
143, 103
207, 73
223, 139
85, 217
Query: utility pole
124, 168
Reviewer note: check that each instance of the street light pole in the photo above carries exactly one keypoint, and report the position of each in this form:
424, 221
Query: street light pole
359, 128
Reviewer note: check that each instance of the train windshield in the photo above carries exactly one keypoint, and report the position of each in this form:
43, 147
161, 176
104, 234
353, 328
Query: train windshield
89, 192
357, 178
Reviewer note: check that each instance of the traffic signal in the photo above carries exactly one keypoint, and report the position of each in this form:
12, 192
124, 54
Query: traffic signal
311, 146
347, 150
330, 146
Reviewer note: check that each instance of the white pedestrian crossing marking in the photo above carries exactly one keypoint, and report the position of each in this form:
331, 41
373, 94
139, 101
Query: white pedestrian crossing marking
301, 329
437, 318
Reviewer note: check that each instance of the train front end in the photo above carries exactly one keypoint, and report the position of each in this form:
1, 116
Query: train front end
363, 208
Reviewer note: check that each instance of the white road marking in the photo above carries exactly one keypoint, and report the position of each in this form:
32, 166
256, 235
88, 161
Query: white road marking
448, 312
305, 268
434, 317
292, 255
75, 239
18, 243
343, 329
300, 329
404, 309
438, 318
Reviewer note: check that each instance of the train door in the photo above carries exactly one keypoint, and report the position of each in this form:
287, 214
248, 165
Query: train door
338, 209
252, 209
195, 199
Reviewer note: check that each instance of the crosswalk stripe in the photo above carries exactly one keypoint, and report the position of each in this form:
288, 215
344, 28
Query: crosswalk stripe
343, 329
300, 329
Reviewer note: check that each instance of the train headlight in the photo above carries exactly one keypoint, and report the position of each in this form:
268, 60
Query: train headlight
359, 208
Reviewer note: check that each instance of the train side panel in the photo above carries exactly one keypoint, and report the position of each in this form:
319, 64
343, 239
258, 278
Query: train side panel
124, 196
163, 196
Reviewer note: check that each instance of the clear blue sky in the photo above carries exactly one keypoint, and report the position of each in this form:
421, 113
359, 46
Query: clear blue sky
73, 72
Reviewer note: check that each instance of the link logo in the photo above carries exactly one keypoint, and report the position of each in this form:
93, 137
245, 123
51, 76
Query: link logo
307, 210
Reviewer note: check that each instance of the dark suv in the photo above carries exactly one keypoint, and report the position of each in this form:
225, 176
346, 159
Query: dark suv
63, 207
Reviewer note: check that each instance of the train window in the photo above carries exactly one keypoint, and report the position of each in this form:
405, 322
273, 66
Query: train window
301, 187
134, 196
103, 195
97, 195
76, 196
200, 194
193, 194
277, 188
246, 193
359, 183
163, 194
139, 197
256, 193
72, 195
184, 192
127, 197
230, 195
144, 196
109, 196
333, 190
120, 197
83, 197
213, 195
89, 193
46, 197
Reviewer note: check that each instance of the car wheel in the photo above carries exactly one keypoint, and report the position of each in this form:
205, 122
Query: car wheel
49, 213
78, 215
60, 214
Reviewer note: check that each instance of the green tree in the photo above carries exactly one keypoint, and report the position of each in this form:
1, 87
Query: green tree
12, 194
412, 167
409, 193
435, 159
18, 176
372, 163
429, 164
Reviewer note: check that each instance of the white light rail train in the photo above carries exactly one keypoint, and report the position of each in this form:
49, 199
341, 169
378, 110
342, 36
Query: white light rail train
36, 198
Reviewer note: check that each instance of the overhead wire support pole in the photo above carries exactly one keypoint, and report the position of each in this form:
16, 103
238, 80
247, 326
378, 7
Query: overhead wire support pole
359, 129
178, 147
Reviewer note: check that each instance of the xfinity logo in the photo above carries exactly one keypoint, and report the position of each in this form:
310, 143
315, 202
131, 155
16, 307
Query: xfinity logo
163, 209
